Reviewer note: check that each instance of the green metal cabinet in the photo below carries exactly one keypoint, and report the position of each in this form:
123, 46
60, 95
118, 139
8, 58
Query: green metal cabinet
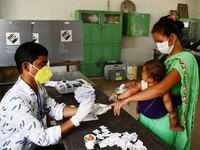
190, 30
102, 36
136, 24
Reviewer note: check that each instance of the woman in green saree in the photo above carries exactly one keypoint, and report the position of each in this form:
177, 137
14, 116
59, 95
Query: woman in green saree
182, 80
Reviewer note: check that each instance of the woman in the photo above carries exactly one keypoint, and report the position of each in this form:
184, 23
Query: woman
182, 80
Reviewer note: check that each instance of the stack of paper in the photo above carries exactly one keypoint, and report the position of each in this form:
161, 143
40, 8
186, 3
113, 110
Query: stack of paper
84, 93
124, 140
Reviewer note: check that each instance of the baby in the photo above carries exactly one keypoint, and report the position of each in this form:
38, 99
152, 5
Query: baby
153, 72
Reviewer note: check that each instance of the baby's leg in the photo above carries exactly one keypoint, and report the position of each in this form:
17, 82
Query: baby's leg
173, 118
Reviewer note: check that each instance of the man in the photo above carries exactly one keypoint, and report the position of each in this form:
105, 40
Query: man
24, 106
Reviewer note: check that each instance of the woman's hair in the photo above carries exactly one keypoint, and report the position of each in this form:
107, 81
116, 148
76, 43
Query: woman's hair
28, 52
155, 69
168, 25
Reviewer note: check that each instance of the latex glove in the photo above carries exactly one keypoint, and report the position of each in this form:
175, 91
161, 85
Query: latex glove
82, 112
99, 109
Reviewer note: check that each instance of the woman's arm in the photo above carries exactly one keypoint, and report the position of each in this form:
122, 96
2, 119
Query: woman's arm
159, 89
152, 92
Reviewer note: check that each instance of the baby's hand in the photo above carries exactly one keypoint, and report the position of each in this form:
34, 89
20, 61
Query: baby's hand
121, 89
113, 97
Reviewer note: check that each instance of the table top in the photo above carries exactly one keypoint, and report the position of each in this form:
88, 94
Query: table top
123, 123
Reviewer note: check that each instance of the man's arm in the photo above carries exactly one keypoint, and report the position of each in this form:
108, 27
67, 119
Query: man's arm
78, 114
66, 127
69, 111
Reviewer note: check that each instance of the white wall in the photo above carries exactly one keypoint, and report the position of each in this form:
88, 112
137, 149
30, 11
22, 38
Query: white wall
197, 9
135, 49
140, 49
198, 13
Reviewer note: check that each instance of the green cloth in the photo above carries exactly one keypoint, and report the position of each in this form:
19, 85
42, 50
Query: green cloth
160, 127
185, 63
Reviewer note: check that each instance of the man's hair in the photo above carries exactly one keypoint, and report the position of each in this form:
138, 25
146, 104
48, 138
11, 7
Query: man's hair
155, 69
28, 52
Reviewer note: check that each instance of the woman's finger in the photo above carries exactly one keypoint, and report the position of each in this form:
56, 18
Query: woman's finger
115, 111
118, 111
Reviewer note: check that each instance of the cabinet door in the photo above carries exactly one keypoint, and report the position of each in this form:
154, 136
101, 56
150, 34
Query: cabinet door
91, 70
111, 31
194, 30
111, 34
136, 24
92, 54
190, 30
91, 25
102, 35
91, 33
186, 29
111, 52
92, 60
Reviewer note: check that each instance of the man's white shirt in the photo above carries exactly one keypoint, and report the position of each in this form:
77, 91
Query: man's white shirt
21, 114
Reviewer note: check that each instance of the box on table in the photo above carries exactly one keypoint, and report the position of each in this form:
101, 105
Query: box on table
113, 71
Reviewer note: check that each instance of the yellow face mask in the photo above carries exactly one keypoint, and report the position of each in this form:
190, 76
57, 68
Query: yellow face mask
43, 75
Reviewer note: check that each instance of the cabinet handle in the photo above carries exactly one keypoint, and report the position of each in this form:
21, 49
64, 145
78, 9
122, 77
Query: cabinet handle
100, 27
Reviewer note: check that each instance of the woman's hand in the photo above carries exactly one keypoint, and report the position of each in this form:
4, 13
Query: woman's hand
117, 106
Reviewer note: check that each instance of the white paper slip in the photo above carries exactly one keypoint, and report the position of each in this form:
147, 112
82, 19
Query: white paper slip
96, 131
90, 117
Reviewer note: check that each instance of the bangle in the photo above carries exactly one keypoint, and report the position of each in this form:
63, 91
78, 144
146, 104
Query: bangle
118, 96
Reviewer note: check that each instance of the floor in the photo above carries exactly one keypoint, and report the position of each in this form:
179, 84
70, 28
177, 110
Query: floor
108, 88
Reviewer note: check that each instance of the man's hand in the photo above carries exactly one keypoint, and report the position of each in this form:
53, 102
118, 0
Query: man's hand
83, 110
99, 109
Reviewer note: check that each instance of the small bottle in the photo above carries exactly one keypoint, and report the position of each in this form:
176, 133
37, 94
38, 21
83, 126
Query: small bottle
134, 72
129, 72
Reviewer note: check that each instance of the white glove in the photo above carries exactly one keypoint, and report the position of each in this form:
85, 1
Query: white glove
82, 112
99, 109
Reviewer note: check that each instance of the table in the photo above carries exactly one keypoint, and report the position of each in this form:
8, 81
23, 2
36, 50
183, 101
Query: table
123, 123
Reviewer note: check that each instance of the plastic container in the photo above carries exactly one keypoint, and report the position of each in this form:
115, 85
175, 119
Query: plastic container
113, 71
134, 72
131, 72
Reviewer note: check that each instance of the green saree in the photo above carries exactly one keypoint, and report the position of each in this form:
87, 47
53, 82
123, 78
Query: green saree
185, 63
